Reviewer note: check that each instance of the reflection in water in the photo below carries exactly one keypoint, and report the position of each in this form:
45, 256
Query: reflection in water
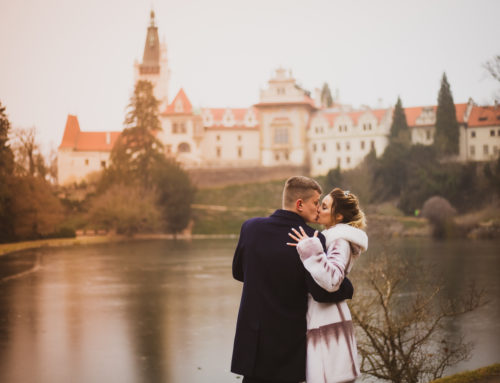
165, 311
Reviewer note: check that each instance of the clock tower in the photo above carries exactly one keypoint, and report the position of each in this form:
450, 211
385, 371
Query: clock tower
154, 65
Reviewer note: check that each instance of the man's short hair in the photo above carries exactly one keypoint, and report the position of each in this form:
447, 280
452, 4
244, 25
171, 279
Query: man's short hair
299, 187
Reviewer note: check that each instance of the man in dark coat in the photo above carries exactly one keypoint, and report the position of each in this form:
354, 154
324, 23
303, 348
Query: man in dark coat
270, 341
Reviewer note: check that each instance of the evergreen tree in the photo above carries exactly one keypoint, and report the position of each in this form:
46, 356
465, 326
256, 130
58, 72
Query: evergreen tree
6, 170
138, 149
447, 133
333, 179
399, 127
326, 96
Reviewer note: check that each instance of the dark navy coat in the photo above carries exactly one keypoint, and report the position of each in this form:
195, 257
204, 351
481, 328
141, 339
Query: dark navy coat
270, 340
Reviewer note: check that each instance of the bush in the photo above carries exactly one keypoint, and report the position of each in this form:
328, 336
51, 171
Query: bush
126, 209
440, 214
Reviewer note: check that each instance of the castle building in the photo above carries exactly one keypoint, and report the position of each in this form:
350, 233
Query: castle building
285, 127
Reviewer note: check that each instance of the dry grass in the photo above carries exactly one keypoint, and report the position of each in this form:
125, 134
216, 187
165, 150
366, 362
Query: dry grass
489, 374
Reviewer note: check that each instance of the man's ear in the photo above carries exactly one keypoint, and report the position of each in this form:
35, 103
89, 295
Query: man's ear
299, 204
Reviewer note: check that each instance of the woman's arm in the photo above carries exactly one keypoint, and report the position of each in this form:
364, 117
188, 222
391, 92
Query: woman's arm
328, 270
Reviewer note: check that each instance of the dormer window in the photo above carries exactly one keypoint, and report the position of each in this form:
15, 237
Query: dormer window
483, 118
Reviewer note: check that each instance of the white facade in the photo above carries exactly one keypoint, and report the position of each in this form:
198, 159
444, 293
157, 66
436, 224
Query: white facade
76, 166
342, 138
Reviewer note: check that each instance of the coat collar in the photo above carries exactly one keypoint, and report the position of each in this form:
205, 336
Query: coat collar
289, 215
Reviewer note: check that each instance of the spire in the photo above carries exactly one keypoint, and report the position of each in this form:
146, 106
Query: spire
151, 57
152, 23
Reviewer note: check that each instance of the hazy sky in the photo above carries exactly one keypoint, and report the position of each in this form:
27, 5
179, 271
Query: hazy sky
61, 57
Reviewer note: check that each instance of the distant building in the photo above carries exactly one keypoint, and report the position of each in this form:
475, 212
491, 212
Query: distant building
82, 153
285, 127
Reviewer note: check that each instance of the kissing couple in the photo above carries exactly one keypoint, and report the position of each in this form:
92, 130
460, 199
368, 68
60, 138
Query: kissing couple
293, 322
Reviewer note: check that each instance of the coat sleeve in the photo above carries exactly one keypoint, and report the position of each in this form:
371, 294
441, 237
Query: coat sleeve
238, 272
327, 270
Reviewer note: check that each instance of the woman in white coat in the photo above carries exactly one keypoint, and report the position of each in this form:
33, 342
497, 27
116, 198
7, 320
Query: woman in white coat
331, 347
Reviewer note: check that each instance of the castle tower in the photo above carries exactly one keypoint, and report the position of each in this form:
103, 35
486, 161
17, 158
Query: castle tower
284, 112
154, 65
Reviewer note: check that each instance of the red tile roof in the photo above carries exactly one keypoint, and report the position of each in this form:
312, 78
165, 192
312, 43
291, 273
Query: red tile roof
484, 116
414, 112
354, 116
75, 139
71, 132
187, 108
238, 113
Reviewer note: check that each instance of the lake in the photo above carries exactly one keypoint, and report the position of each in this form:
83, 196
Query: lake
165, 311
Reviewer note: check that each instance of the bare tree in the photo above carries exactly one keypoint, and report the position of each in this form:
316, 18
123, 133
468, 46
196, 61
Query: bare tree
29, 160
493, 67
401, 321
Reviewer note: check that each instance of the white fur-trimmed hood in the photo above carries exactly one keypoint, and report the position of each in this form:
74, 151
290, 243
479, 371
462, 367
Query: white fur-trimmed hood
351, 234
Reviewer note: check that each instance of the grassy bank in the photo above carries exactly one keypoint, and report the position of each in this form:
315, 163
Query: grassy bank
489, 374
222, 210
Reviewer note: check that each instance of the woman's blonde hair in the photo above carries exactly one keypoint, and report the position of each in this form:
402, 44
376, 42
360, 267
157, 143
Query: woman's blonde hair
347, 204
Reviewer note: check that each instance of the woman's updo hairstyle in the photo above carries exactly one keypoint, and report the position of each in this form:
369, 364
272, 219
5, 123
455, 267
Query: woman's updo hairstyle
347, 204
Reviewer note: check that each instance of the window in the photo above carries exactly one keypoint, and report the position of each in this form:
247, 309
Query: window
472, 150
182, 128
492, 133
319, 161
174, 128
240, 151
372, 145
364, 126
218, 151
183, 148
323, 146
348, 160
217, 138
103, 164
369, 126
473, 134
495, 150
485, 150
286, 156
314, 147
338, 145
347, 146
281, 135
86, 161
362, 145
239, 138
428, 134
339, 160
277, 157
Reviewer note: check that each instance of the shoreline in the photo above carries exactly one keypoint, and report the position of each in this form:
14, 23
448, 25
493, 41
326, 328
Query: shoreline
12, 247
